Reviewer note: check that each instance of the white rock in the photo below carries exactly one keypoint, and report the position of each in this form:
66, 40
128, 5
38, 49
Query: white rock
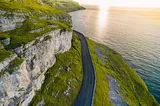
19, 87
5, 63
10, 23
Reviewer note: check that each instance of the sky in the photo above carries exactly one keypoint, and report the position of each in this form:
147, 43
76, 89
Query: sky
126, 3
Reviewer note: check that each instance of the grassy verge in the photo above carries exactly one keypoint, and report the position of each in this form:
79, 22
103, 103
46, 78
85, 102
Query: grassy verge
134, 90
33, 14
22, 35
66, 5
28, 6
63, 80
4, 54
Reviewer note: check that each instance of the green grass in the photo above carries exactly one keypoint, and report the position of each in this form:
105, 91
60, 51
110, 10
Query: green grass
14, 64
66, 5
32, 13
58, 84
134, 90
29, 6
4, 54
47, 38
4, 36
22, 35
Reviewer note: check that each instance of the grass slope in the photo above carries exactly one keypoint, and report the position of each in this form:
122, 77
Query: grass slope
58, 79
4, 54
29, 6
134, 90
32, 13
66, 5
37, 16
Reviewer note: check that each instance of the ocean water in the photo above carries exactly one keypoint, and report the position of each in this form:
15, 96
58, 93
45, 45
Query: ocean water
133, 32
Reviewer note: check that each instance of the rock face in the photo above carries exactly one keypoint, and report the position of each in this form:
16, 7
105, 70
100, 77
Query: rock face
13, 85
39, 55
10, 20
19, 83
5, 63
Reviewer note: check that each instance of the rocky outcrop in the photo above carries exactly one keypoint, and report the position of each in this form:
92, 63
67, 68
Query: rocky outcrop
20, 80
13, 85
5, 63
10, 20
39, 55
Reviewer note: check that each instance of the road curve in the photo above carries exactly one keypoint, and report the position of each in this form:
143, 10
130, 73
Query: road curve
86, 93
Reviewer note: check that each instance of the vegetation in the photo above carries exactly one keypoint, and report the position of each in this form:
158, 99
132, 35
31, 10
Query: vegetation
14, 64
66, 5
65, 75
33, 12
4, 54
47, 38
63, 80
134, 90
29, 6
22, 35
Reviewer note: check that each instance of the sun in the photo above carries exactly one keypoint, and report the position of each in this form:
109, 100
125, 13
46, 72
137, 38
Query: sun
103, 6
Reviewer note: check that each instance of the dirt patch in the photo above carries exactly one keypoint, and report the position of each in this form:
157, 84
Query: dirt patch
101, 54
114, 92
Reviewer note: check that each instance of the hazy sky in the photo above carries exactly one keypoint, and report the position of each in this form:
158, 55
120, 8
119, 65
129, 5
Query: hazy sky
128, 3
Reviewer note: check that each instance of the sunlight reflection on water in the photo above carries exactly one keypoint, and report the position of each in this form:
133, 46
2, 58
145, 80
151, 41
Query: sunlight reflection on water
132, 32
102, 19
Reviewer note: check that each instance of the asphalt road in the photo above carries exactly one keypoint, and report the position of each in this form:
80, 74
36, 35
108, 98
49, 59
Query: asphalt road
86, 93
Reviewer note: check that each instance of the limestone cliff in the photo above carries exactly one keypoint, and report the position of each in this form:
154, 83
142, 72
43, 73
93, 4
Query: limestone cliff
34, 34
39, 55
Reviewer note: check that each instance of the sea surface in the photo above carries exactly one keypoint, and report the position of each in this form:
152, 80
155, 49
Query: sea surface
133, 32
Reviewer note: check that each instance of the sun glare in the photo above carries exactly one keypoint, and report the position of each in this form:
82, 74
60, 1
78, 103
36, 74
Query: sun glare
103, 6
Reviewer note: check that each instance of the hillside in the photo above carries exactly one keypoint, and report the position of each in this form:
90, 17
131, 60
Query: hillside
66, 5
40, 60
116, 82
116, 79
31, 34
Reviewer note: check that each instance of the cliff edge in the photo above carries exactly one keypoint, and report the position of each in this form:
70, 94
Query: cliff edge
40, 60
31, 33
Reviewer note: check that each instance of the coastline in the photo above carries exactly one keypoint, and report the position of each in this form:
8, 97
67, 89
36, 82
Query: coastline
44, 65
111, 70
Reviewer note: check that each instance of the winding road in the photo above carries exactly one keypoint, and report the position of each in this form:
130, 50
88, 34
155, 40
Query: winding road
86, 93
